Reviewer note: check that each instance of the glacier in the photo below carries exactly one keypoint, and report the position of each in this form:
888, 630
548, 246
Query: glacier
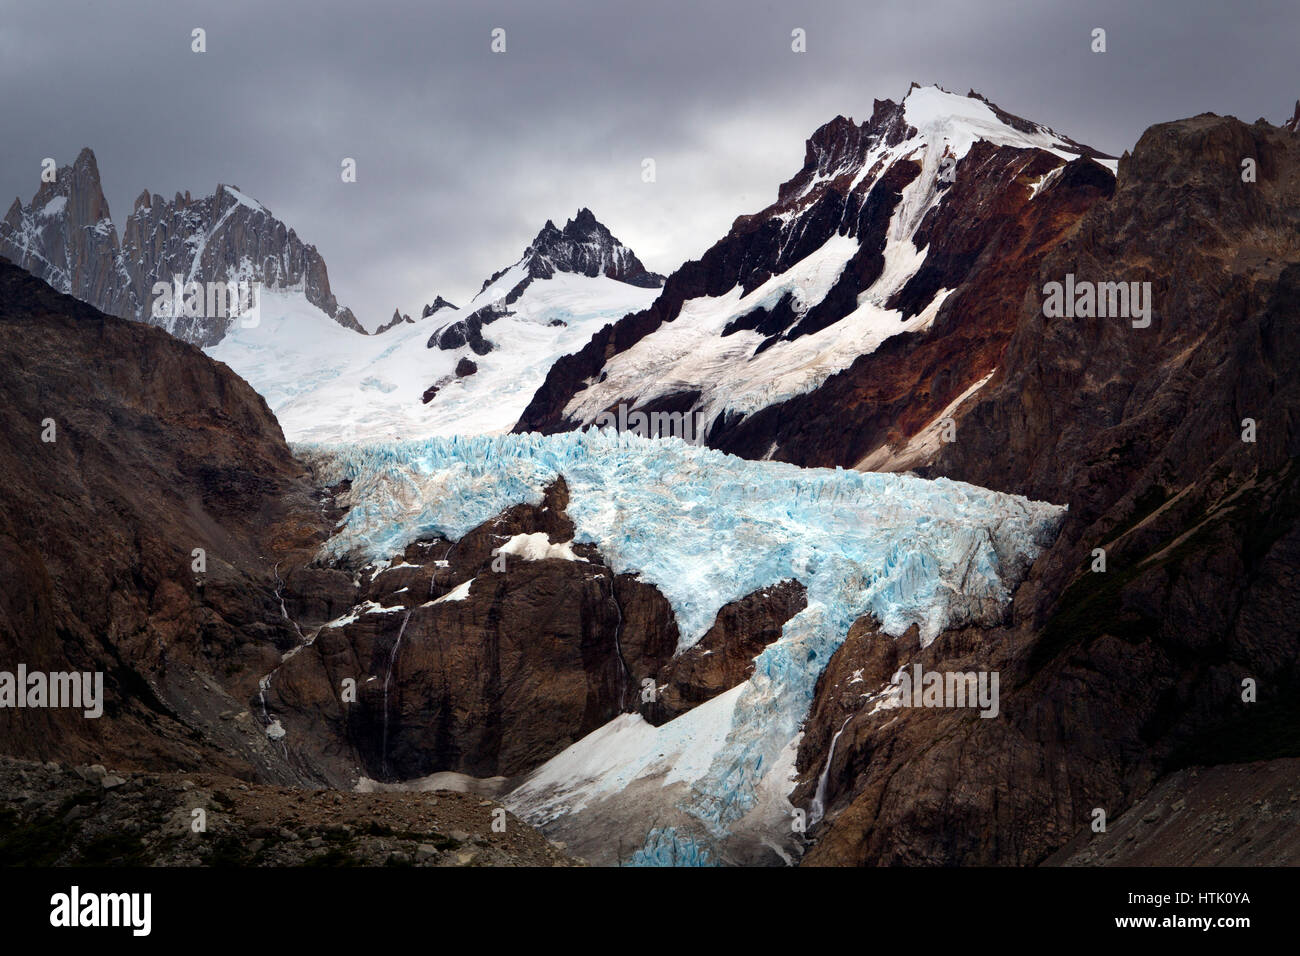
666, 847
707, 528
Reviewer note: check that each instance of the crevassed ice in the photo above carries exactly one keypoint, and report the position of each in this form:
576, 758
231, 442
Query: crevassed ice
707, 528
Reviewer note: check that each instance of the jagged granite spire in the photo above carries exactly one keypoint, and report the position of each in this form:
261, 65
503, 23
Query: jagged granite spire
583, 247
66, 237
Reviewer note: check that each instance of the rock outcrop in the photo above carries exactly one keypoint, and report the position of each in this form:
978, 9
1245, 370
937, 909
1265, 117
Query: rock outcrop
66, 237
1157, 633
724, 656
585, 246
475, 656
149, 495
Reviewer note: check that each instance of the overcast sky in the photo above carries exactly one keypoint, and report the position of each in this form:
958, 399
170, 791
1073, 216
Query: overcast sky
463, 153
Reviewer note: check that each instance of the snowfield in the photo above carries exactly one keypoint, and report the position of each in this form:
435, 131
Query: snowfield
707, 528
326, 383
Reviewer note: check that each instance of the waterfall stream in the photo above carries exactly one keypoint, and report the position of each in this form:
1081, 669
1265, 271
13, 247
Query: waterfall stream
818, 808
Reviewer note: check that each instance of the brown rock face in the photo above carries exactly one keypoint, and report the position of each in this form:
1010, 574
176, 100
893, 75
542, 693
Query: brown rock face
1111, 679
724, 656
986, 242
157, 451
472, 661
229, 230
65, 236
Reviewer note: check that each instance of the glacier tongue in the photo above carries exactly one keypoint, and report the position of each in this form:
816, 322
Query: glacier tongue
707, 528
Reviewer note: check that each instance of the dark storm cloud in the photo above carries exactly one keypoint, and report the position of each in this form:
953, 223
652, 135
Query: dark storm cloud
462, 154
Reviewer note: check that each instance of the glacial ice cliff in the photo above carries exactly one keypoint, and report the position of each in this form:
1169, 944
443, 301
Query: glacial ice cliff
707, 528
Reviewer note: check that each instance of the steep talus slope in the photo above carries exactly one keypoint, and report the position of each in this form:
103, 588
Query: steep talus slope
1243, 814
157, 451
840, 321
1111, 678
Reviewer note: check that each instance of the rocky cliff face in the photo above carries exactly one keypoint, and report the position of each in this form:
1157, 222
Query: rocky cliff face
1174, 444
840, 322
490, 654
584, 247
467, 659
436, 305
66, 237
155, 451
224, 237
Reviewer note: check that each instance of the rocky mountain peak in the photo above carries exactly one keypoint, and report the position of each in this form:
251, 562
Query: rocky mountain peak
397, 319
1293, 124
585, 246
227, 236
842, 147
933, 181
66, 236
437, 305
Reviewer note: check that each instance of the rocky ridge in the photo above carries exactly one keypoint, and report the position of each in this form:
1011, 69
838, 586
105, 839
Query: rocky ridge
66, 237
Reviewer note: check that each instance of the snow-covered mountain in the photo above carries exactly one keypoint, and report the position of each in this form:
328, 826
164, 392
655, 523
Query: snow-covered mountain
437, 305
67, 237
839, 323
455, 371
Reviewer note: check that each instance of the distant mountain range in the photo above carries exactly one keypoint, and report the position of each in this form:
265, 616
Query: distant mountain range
66, 236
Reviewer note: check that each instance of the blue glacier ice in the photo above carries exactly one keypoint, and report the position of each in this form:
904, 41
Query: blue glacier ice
665, 846
707, 528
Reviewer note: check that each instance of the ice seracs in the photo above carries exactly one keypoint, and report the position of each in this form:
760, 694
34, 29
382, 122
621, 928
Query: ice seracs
705, 528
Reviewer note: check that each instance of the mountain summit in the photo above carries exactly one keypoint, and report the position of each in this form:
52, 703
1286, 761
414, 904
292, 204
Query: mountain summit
836, 325
66, 236
455, 370
585, 246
